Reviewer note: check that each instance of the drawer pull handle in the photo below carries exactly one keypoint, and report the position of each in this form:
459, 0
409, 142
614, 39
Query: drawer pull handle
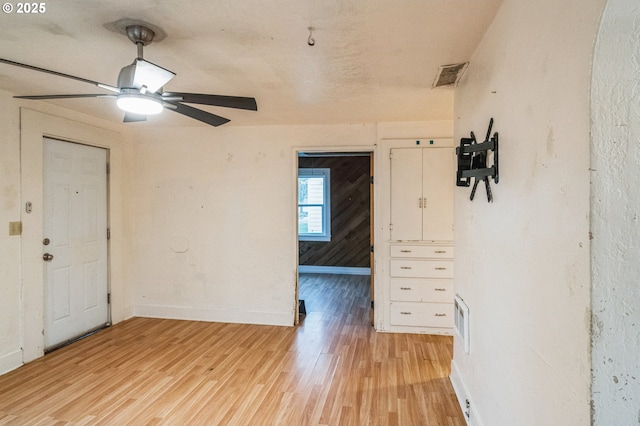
441, 251
440, 268
441, 315
405, 313
405, 288
405, 267
440, 289
405, 251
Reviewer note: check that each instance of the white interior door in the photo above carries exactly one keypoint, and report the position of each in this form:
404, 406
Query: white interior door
75, 225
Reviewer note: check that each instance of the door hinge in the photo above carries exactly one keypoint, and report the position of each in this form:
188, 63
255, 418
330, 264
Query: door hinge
108, 298
372, 304
108, 168
108, 233
371, 180
371, 248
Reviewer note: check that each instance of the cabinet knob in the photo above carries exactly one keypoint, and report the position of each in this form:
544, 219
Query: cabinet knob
405, 251
405, 313
441, 315
441, 251
440, 268
405, 267
405, 288
440, 289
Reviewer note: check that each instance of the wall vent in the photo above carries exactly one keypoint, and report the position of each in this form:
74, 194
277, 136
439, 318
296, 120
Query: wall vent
449, 75
461, 321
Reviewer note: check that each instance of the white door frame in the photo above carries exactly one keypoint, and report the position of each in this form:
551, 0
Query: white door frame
34, 126
376, 199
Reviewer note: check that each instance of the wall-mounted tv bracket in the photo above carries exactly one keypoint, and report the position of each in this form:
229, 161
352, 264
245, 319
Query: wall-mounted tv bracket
472, 162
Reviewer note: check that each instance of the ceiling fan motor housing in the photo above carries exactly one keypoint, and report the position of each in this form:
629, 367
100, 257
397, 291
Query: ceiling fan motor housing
144, 75
126, 76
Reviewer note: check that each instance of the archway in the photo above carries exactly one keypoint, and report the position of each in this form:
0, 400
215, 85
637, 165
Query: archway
615, 216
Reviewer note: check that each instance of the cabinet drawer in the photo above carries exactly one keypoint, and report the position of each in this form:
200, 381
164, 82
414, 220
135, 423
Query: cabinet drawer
432, 252
422, 314
421, 290
407, 268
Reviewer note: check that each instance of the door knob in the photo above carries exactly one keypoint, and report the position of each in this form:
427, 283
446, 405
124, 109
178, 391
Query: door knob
47, 257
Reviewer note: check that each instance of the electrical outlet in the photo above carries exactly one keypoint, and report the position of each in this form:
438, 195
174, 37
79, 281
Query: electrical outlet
15, 228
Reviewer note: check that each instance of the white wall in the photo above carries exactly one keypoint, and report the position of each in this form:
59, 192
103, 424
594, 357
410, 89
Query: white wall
213, 219
615, 209
21, 285
213, 216
522, 263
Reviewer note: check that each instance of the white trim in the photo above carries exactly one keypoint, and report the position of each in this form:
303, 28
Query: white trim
213, 315
373, 150
344, 270
325, 173
34, 126
10, 361
462, 394
441, 331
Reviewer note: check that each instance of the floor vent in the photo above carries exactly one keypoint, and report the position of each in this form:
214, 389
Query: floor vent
449, 75
461, 321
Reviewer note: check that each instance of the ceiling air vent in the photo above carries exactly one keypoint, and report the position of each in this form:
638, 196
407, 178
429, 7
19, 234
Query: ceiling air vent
449, 75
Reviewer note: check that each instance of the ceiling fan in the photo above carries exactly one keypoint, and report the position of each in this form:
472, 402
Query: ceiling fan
140, 88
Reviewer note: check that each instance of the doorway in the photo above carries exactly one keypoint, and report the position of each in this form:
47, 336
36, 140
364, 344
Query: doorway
344, 245
75, 241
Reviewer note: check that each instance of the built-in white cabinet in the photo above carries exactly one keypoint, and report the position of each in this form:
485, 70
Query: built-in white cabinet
421, 286
421, 196
418, 258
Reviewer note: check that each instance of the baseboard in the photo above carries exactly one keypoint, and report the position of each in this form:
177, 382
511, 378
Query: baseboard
214, 315
10, 361
417, 330
463, 396
128, 313
339, 270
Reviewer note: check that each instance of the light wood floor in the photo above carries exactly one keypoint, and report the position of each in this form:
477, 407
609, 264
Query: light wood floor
333, 369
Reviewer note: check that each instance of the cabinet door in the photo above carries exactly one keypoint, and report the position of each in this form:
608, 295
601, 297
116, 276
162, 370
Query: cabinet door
437, 189
406, 194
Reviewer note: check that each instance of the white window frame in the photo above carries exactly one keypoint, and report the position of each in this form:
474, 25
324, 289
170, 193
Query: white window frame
326, 213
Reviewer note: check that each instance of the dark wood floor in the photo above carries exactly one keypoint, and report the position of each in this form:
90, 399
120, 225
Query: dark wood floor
333, 369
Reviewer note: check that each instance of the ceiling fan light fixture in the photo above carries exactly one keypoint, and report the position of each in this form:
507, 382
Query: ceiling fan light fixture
139, 104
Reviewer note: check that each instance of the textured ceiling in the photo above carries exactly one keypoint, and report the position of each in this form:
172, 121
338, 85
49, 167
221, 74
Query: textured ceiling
373, 60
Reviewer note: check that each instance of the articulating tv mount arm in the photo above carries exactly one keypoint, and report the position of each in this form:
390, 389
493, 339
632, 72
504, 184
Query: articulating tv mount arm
472, 162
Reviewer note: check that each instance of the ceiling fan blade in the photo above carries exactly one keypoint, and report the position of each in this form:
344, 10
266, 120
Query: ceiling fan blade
130, 117
60, 74
66, 96
195, 113
215, 100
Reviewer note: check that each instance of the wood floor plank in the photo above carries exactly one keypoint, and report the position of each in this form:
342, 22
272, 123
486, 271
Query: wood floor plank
332, 369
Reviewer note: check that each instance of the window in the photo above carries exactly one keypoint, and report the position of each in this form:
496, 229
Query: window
314, 212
